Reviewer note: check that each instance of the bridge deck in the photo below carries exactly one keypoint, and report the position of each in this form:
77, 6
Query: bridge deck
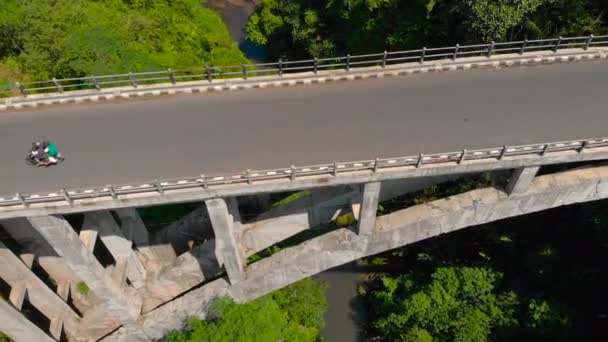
226, 132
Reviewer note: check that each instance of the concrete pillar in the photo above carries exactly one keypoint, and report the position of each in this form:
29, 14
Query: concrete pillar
117, 244
132, 226
521, 179
226, 221
19, 328
60, 235
369, 206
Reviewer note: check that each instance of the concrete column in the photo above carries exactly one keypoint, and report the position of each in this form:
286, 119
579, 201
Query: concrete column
369, 206
521, 179
226, 221
132, 226
119, 246
60, 235
19, 328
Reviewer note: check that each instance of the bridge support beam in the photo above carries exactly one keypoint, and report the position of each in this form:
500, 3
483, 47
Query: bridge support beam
226, 223
19, 328
117, 244
66, 243
369, 206
521, 179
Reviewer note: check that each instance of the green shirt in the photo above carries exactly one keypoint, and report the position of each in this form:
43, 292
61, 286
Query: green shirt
52, 150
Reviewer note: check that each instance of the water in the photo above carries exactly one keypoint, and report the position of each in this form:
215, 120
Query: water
235, 14
346, 312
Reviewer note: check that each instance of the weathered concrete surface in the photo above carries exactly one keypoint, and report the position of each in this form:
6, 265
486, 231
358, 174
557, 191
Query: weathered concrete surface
117, 244
132, 226
226, 223
194, 226
174, 315
67, 282
369, 206
22, 279
189, 270
321, 206
19, 328
521, 179
318, 207
393, 230
285, 184
60, 235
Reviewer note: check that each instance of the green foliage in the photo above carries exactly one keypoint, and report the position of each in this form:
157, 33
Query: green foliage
67, 38
294, 313
291, 198
83, 288
291, 29
5, 338
456, 304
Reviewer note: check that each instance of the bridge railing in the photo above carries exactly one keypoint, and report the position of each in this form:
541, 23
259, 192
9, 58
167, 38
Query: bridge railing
296, 172
280, 68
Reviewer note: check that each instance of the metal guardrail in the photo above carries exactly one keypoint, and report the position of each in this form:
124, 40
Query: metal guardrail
279, 68
293, 172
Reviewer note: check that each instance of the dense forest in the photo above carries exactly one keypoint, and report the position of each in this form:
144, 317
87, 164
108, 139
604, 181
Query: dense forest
295, 29
294, 313
539, 277
41, 39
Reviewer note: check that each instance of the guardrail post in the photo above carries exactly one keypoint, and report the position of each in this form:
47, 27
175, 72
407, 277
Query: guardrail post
315, 65
95, 83
422, 55
204, 181
208, 72
58, 85
384, 57
159, 187
456, 50
420, 159
171, 76
132, 78
557, 43
244, 67
248, 175
67, 197
112, 191
589, 40
292, 175
280, 67
22, 199
348, 62
524, 44
462, 156
491, 49
21, 89
503, 153
376, 164
335, 168
545, 149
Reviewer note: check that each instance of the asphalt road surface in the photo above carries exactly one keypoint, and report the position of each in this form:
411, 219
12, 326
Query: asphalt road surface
215, 133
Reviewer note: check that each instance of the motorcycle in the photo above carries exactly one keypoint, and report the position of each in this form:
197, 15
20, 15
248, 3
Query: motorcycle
31, 159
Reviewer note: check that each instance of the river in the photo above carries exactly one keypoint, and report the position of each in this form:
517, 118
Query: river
235, 14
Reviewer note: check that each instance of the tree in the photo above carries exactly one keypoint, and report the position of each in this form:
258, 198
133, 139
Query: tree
455, 304
294, 313
75, 38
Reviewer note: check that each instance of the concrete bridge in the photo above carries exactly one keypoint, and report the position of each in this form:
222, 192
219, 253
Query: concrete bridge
84, 262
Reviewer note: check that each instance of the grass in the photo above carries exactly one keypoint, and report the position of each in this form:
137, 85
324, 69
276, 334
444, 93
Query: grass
83, 288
